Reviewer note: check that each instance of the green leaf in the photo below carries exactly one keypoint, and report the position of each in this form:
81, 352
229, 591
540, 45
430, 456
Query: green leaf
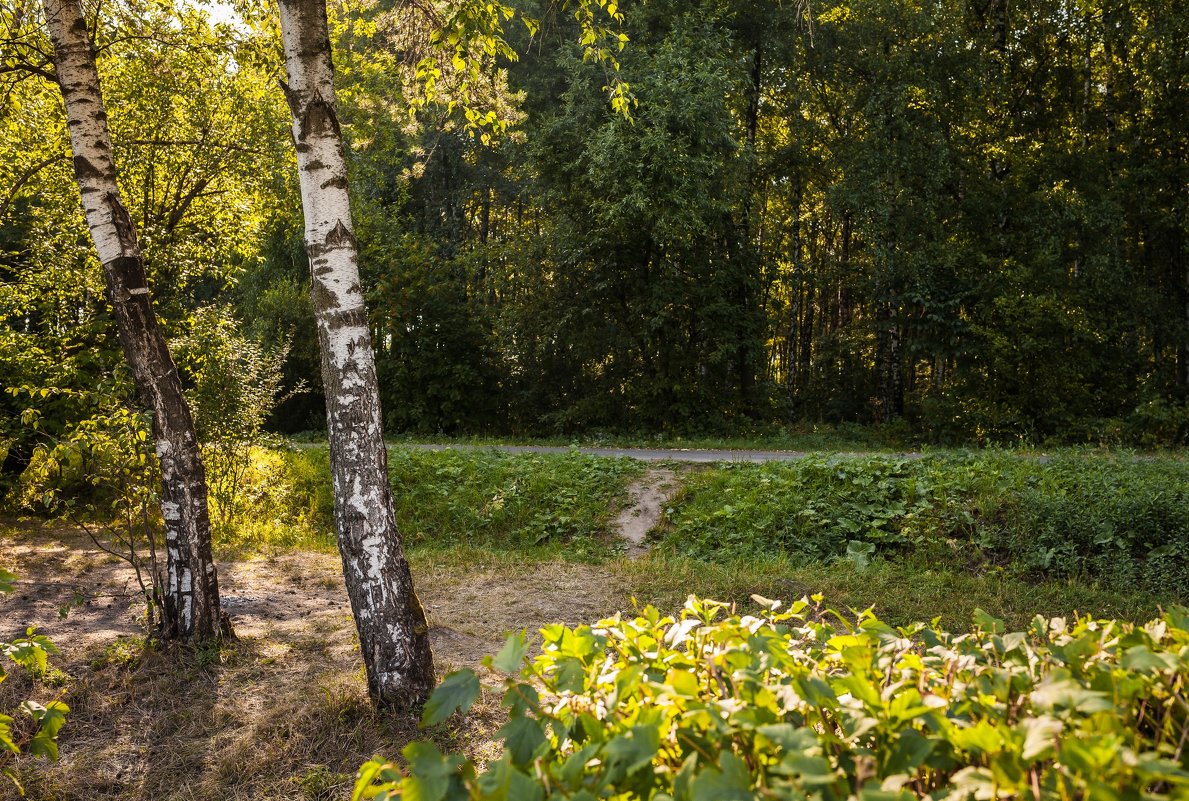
522, 736
511, 657
908, 752
430, 772
788, 737
989, 623
634, 752
503, 782
367, 777
49, 720
730, 781
457, 692
1144, 660
7, 580
6, 735
1040, 737
1072, 696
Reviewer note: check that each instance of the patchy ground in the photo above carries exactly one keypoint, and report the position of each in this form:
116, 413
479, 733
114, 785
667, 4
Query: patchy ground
283, 711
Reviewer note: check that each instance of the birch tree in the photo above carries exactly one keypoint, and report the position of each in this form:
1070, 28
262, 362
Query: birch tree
190, 606
393, 632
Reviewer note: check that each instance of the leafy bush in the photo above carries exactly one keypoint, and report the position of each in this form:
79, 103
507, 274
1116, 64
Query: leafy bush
811, 704
441, 498
235, 383
1124, 523
282, 499
101, 474
1119, 521
30, 652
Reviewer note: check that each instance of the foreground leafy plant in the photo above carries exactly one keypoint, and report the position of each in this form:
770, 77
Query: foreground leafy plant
30, 652
809, 703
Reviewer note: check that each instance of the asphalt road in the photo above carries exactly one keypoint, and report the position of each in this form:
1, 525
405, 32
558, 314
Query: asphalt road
645, 454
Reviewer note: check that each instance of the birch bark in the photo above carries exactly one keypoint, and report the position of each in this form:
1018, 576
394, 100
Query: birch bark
190, 606
393, 632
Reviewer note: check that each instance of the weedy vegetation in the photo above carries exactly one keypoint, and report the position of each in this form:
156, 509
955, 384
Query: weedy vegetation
811, 703
1119, 523
1094, 540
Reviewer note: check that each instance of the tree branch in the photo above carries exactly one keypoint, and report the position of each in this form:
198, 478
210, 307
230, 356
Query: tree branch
29, 173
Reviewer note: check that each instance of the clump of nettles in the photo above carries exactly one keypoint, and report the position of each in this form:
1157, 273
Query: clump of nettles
808, 703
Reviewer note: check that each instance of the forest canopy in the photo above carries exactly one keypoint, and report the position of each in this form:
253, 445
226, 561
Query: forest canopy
966, 215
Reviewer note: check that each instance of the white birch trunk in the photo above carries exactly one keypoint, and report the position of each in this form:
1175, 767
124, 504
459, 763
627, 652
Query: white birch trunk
190, 606
393, 633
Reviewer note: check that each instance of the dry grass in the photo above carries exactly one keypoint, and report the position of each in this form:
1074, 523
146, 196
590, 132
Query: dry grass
280, 713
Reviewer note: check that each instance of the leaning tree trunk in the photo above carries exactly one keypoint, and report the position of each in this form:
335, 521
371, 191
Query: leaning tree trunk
190, 606
393, 633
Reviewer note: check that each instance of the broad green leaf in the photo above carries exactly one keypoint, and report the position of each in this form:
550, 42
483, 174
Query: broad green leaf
730, 781
430, 772
635, 751
511, 657
522, 736
1143, 660
457, 692
49, 720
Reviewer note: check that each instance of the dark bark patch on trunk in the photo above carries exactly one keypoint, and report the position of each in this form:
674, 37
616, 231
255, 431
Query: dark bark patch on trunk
291, 98
340, 235
85, 170
319, 119
124, 225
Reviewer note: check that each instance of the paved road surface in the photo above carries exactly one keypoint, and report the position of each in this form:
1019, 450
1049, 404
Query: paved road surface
648, 454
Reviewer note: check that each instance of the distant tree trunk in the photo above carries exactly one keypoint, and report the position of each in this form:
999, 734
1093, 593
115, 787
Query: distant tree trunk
890, 403
190, 607
1183, 346
393, 633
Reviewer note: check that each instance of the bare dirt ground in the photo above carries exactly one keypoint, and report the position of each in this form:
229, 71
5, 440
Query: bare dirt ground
648, 496
283, 711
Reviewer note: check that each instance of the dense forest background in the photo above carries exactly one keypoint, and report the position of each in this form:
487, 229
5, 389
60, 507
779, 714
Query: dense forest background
967, 218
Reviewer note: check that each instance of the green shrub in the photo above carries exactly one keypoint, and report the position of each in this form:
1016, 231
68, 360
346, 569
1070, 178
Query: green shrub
441, 498
812, 704
282, 499
1121, 521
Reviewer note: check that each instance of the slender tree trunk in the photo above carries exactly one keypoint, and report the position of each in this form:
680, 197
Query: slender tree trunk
1183, 346
890, 402
190, 606
393, 633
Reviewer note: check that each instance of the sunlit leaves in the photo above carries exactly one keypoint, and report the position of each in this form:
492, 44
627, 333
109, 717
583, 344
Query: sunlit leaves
712, 706
468, 41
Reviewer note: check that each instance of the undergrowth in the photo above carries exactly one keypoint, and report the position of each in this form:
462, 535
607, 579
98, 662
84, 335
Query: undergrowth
900, 590
501, 500
1119, 523
813, 703
546, 504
